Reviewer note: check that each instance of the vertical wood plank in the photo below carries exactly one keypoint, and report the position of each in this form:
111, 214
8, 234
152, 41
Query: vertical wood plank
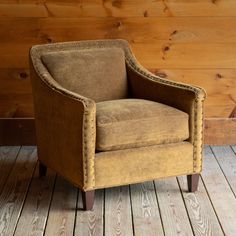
7, 160
220, 193
62, 211
14, 193
200, 210
146, 215
118, 219
173, 212
227, 161
90, 222
35, 211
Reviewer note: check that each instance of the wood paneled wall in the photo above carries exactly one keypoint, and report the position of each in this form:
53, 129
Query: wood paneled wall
190, 41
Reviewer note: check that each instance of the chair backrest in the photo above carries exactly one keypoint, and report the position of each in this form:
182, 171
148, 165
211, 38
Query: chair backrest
96, 73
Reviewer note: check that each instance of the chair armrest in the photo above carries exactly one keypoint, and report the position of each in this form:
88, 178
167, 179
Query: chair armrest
65, 129
143, 84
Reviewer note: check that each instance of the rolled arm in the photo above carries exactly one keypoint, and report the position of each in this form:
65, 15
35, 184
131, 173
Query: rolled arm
65, 129
187, 98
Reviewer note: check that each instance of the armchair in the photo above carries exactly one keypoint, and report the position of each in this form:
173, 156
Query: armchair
103, 120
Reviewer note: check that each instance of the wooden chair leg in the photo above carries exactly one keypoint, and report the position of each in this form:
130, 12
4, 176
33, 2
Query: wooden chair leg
42, 170
88, 199
192, 182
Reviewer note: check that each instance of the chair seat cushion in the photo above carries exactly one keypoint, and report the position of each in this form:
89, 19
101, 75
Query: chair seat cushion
130, 123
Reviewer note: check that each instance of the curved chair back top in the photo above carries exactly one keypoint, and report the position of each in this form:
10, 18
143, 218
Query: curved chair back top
95, 69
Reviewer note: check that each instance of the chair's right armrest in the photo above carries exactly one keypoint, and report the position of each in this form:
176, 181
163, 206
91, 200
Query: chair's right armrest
65, 129
185, 97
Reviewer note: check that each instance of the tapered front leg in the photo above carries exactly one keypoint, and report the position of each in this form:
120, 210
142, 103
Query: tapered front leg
193, 182
88, 199
42, 169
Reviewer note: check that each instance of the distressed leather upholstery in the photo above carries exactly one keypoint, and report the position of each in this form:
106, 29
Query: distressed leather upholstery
79, 87
131, 123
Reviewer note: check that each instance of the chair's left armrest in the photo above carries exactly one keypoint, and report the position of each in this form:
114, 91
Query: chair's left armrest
143, 84
65, 129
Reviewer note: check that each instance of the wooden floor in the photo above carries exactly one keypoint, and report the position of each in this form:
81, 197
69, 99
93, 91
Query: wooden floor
51, 206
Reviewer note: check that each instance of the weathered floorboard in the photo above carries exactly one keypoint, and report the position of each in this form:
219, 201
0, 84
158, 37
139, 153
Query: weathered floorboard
227, 161
62, 210
14, 193
174, 215
90, 222
202, 216
118, 219
35, 212
220, 193
7, 160
146, 215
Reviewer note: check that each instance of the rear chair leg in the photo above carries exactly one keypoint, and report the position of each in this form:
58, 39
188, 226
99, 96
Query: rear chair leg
42, 170
88, 199
193, 182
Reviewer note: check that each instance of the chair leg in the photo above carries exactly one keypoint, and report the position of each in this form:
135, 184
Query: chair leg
192, 182
42, 170
88, 199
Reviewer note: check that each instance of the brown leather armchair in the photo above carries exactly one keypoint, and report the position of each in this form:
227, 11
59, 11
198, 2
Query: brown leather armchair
102, 120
